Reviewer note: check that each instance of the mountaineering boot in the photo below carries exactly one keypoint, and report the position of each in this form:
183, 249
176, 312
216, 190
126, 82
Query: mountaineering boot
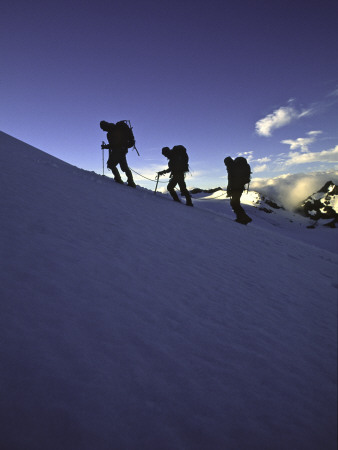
243, 218
130, 179
117, 176
131, 183
188, 202
118, 180
175, 196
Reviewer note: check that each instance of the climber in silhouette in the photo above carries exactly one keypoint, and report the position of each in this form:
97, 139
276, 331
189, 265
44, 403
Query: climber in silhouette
238, 176
177, 167
120, 138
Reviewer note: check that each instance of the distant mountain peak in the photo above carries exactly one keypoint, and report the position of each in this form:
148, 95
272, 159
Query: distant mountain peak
322, 204
329, 187
206, 191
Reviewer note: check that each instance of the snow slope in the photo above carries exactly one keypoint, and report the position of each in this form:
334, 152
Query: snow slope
132, 322
269, 218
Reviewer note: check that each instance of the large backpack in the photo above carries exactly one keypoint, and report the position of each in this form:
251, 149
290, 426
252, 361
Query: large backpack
239, 173
120, 135
179, 159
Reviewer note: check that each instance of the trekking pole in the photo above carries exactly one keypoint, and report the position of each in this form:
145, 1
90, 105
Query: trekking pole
102, 157
157, 178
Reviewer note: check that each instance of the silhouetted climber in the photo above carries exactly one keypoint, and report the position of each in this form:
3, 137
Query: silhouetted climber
238, 176
120, 138
178, 166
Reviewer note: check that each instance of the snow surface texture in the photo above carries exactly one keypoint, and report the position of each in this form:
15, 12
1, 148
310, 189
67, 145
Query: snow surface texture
132, 322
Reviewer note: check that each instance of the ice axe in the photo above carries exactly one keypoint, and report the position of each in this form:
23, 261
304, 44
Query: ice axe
134, 148
157, 178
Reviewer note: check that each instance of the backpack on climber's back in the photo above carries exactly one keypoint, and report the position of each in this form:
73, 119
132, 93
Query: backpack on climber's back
125, 133
239, 173
179, 159
119, 135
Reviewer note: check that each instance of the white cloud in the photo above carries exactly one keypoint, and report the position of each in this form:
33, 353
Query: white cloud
302, 143
282, 116
247, 155
263, 160
291, 189
279, 118
329, 156
261, 168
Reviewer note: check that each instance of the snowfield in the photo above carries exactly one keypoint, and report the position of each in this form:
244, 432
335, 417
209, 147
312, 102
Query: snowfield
131, 322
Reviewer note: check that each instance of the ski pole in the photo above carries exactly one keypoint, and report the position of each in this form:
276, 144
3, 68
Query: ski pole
158, 176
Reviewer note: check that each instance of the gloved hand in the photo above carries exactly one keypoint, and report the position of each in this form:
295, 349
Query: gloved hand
161, 173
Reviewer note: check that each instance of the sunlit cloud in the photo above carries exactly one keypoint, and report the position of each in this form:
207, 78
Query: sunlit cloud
263, 160
314, 133
261, 168
284, 115
247, 155
329, 156
291, 189
277, 119
302, 143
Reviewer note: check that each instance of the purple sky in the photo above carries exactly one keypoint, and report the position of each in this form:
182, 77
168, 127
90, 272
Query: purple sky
221, 78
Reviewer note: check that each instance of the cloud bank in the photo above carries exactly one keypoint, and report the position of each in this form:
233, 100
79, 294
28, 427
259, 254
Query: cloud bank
329, 156
291, 189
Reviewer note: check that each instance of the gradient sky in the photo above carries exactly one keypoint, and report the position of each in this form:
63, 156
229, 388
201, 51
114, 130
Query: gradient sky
221, 77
